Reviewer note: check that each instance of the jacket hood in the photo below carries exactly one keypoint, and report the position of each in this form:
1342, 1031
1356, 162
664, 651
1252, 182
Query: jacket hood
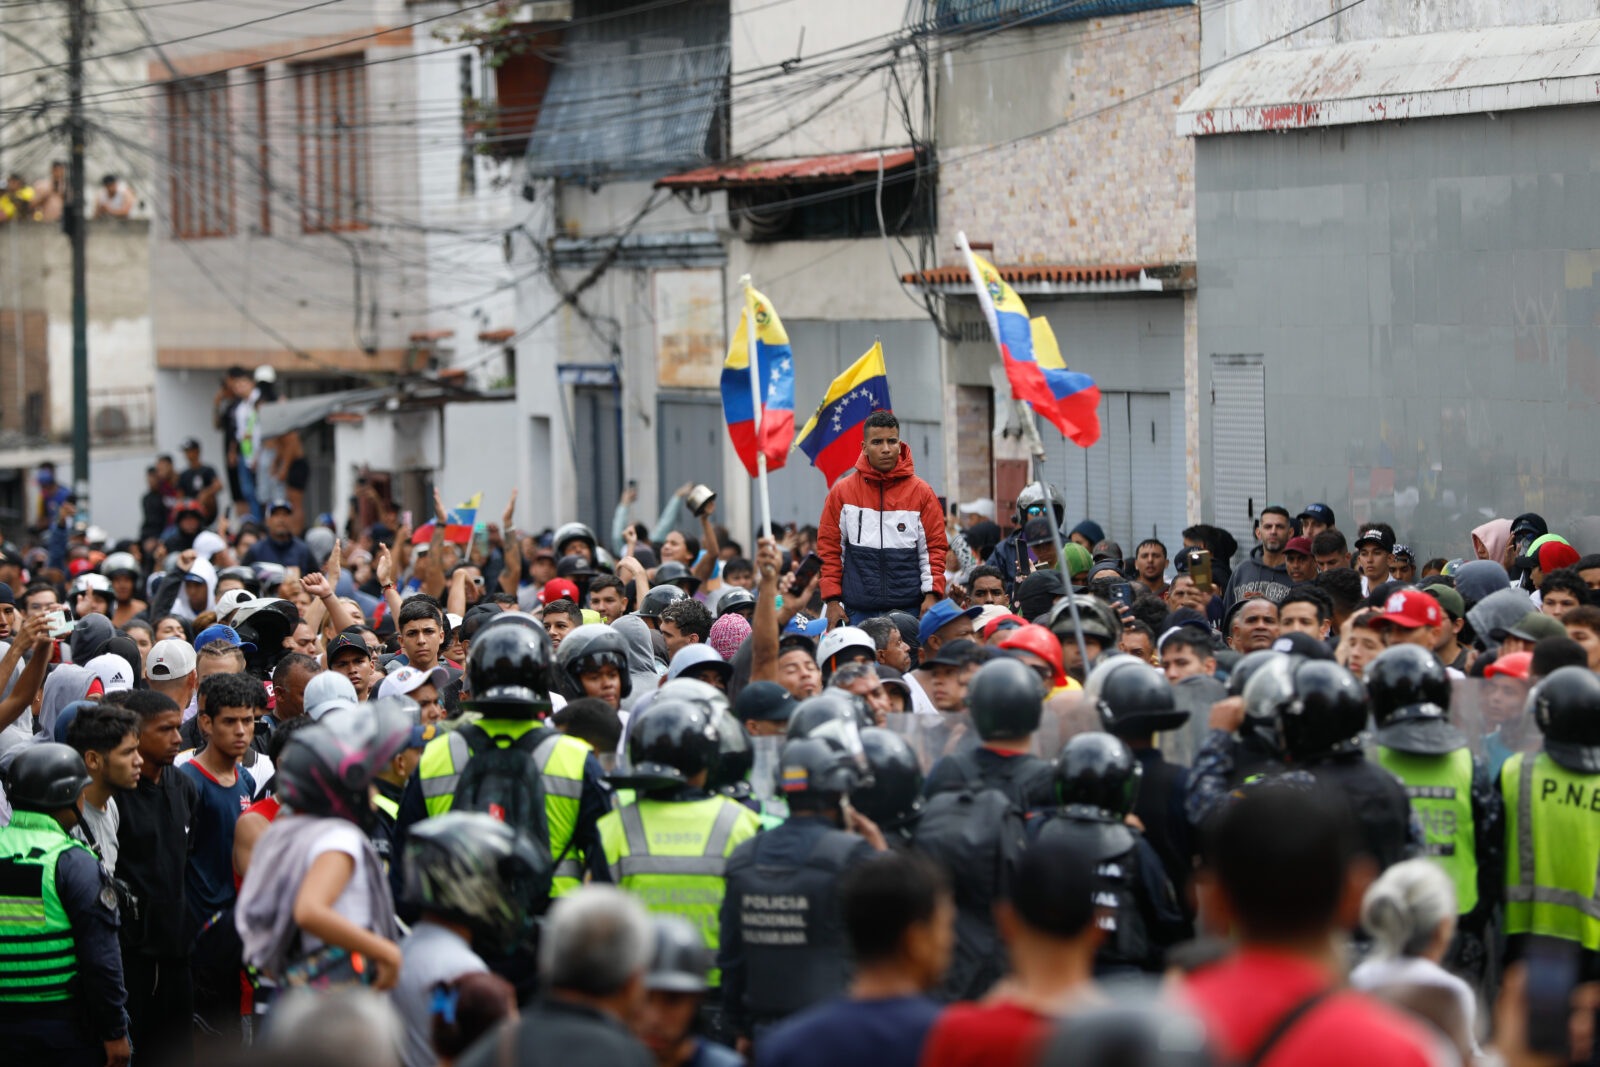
205, 572
1480, 578
903, 467
641, 653
1494, 536
1499, 610
67, 683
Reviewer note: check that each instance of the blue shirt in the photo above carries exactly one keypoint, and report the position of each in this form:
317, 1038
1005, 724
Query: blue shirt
208, 880
851, 1033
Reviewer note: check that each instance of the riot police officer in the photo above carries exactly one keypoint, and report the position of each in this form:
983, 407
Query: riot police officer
1312, 711
893, 799
61, 991
1006, 700
1552, 805
1097, 782
1238, 748
1451, 791
508, 674
783, 941
1135, 699
670, 847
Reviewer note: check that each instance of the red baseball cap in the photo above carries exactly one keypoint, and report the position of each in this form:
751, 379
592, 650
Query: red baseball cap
1301, 545
1412, 608
1514, 665
1554, 555
79, 566
1001, 620
559, 589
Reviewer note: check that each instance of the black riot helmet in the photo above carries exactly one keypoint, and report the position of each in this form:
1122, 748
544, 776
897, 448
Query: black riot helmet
1410, 695
1097, 776
1566, 707
830, 714
1136, 699
1033, 499
1006, 698
657, 598
670, 742
1248, 664
508, 669
815, 772
894, 799
471, 868
570, 532
736, 599
673, 573
735, 756
1310, 708
46, 778
591, 645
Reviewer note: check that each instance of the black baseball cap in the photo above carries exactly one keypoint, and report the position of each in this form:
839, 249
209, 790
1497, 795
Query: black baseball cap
279, 505
1376, 536
764, 702
1319, 512
191, 445
1529, 523
954, 654
348, 639
1038, 533
1297, 643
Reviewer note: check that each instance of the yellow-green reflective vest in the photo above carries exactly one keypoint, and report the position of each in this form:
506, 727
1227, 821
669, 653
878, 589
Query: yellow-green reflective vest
1440, 788
671, 854
1552, 849
38, 960
560, 761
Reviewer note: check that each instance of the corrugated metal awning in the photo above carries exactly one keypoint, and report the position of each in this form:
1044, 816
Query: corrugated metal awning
1456, 73
1063, 279
634, 94
801, 169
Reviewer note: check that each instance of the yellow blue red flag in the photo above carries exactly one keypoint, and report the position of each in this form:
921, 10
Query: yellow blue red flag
832, 437
775, 375
1034, 367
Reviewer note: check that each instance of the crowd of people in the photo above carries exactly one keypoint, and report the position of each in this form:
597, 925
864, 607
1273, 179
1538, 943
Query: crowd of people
903, 788
45, 200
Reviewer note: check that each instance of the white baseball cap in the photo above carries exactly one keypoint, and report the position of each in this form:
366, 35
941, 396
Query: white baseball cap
327, 691
114, 672
229, 602
170, 659
408, 679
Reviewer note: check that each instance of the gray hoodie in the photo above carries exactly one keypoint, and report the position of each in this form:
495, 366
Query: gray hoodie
643, 670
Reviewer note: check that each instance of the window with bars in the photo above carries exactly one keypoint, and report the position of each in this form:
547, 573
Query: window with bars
201, 201
257, 77
331, 100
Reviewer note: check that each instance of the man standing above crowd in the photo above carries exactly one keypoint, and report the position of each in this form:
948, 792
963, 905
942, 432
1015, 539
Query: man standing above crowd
1151, 560
1265, 575
882, 539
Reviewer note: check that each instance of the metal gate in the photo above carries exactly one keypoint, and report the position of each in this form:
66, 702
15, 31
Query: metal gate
1238, 443
689, 449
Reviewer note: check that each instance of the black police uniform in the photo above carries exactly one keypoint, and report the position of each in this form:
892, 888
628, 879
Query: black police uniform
1160, 807
1141, 915
1028, 780
72, 1031
783, 941
1378, 801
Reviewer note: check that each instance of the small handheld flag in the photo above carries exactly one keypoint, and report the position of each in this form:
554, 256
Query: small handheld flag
832, 437
768, 429
1034, 367
459, 525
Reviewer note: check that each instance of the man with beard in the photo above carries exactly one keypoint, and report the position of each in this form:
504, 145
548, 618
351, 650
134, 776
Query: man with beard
1264, 575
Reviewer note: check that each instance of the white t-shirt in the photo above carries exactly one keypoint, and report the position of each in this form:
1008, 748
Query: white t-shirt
430, 954
920, 704
1416, 971
103, 825
353, 903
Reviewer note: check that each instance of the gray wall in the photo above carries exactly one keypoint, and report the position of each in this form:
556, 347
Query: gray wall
1423, 297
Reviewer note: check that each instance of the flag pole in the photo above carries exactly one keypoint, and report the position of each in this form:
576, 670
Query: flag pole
985, 302
755, 404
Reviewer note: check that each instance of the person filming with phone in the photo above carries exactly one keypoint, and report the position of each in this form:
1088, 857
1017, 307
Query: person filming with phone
882, 538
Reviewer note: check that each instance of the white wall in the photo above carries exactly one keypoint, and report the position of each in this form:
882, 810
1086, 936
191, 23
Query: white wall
1229, 27
765, 34
477, 458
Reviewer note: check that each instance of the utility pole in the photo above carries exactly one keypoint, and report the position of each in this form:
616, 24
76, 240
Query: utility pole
76, 31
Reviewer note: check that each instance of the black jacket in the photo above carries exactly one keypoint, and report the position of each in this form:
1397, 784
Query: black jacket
153, 853
1027, 779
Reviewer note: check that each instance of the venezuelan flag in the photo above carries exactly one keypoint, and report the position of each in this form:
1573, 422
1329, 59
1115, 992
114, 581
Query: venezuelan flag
832, 438
458, 529
1033, 362
775, 371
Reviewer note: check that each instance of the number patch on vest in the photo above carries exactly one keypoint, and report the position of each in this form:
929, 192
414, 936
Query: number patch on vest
679, 837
